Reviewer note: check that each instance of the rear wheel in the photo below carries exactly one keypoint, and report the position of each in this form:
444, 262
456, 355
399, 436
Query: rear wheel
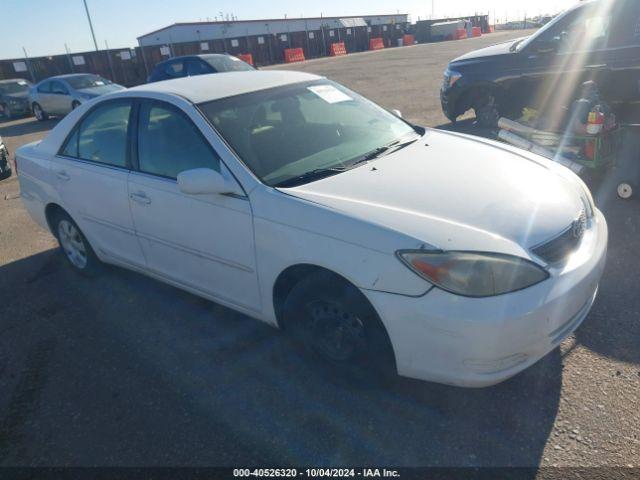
336, 323
74, 245
75, 104
40, 114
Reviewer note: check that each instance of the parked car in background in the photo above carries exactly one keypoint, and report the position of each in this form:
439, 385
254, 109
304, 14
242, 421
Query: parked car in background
5, 166
14, 97
595, 40
60, 95
191, 65
380, 245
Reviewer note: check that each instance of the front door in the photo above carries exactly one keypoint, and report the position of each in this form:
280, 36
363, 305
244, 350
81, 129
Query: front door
203, 242
59, 99
91, 175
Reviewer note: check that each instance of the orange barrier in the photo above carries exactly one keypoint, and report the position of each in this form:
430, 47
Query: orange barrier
476, 32
338, 49
461, 34
376, 43
408, 40
246, 57
492, 28
293, 55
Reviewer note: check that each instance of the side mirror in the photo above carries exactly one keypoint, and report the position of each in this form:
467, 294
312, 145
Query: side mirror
205, 181
397, 113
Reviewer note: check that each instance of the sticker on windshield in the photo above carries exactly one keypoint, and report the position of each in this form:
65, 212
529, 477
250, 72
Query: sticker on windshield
22, 82
329, 93
99, 82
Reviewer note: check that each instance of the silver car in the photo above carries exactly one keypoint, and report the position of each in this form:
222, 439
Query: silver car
59, 95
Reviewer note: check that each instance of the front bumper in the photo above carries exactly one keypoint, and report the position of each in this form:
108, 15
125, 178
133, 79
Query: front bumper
21, 108
477, 342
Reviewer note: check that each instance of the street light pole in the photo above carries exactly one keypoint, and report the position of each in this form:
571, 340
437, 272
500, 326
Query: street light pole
93, 35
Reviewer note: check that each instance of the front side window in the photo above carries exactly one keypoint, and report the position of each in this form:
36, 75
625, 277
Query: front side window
197, 67
169, 142
289, 131
44, 87
102, 135
58, 88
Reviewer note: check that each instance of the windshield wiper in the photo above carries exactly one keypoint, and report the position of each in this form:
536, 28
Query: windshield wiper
378, 152
310, 176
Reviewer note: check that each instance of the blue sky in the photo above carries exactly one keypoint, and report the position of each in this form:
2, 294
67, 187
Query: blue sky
44, 26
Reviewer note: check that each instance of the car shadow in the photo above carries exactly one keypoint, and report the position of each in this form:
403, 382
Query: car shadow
96, 367
26, 126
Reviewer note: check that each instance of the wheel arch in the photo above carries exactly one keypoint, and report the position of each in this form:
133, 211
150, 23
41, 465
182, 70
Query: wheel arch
49, 214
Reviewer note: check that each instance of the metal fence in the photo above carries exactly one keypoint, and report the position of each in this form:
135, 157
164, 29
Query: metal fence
131, 67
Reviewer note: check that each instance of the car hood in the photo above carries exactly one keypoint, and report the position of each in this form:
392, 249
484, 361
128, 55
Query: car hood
491, 51
101, 90
17, 96
452, 191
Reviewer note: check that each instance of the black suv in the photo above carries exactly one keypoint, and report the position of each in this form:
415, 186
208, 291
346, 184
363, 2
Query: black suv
190, 65
595, 40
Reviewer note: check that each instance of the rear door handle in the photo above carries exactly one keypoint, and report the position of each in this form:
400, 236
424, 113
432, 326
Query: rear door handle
140, 198
62, 175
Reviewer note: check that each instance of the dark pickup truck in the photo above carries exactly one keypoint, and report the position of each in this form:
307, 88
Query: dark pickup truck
595, 40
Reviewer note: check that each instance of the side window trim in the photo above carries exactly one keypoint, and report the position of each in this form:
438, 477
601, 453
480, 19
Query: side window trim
136, 135
78, 127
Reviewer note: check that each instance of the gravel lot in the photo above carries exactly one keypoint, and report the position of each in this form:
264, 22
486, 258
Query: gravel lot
123, 370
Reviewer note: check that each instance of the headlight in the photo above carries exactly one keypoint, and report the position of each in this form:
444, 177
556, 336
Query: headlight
451, 77
473, 274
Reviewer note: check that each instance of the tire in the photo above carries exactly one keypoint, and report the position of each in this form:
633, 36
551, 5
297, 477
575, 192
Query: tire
488, 111
7, 114
39, 113
75, 246
334, 321
75, 104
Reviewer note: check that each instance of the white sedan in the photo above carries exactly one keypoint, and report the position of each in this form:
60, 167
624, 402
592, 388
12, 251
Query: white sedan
384, 247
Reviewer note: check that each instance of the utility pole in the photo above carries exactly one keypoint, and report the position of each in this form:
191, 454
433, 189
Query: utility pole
93, 35
432, 8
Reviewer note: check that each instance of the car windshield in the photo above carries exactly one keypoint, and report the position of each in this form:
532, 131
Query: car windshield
226, 63
19, 86
87, 81
287, 132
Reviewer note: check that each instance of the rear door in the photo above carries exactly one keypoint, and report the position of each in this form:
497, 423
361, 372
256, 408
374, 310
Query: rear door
203, 242
91, 174
625, 44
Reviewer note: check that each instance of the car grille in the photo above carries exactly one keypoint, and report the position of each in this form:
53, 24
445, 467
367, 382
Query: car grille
560, 247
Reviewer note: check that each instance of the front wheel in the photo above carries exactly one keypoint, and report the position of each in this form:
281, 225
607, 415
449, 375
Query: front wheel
336, 323
488, 111
75, 246
40, 114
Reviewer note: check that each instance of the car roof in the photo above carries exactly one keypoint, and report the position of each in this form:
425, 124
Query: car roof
205, 88
184, 57
69, 75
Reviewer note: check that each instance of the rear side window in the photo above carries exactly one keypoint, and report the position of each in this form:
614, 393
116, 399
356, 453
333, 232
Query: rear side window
626, 29
102, 135
169, 142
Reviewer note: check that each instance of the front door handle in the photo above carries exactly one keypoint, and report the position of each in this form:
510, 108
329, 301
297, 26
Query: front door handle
596, 67
62, 175
140, 197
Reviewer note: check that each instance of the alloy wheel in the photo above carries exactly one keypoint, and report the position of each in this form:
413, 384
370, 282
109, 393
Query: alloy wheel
73, 244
